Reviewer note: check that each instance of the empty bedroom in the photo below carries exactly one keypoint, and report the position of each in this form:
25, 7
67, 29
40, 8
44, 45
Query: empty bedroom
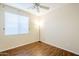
39, 29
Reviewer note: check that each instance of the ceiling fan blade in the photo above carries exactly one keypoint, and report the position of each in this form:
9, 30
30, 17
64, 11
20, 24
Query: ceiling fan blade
44, 7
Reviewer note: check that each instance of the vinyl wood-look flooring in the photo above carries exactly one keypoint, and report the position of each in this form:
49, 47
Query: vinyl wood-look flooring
37, 49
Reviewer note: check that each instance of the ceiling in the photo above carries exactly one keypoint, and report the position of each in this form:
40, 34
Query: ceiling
27, 7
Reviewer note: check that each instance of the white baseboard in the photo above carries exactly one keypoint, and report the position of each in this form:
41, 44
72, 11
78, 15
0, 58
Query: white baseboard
59, 47
17, 46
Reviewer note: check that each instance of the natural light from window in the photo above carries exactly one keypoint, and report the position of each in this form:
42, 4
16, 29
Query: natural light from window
16, 24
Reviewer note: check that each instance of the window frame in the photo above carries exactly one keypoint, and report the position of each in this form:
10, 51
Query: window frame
18, 28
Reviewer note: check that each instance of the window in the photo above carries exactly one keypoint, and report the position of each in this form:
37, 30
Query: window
16, 24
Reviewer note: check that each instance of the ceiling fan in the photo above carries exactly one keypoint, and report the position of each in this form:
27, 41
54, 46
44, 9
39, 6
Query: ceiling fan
37, 6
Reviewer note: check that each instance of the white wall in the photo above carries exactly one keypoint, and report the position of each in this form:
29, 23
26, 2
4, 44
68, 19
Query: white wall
9, 42
61, 28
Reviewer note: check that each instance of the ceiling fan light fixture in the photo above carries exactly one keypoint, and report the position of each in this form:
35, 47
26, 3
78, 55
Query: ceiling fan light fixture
37, 6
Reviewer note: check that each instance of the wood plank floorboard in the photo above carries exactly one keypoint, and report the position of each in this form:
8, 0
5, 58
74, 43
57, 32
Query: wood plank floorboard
37, 49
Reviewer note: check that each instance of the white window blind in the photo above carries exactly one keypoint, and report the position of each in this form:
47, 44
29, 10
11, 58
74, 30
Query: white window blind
16, 24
